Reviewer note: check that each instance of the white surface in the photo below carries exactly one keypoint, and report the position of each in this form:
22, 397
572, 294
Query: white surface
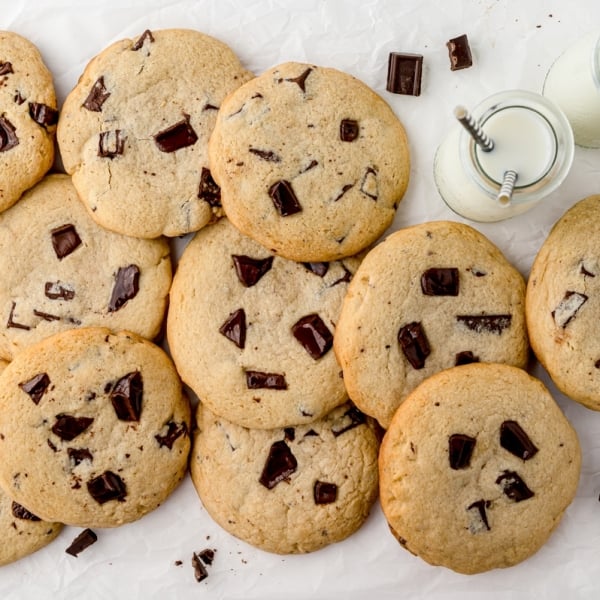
514, 43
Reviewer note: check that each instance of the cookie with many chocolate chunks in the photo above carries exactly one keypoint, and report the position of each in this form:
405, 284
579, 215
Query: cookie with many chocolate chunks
134, 131
477, 468
22, 532
94, 428
427, 298
563, 303
28, 117
61, 270
287, 490
311, 162
252, 333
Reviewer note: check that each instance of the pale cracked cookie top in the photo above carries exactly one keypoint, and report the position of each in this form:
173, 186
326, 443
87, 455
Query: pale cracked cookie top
427, 298
477, 468
252, 333
563, 303
60, 270
134, 131
28, 117
311, 162
94, 428
290, 490
22, 532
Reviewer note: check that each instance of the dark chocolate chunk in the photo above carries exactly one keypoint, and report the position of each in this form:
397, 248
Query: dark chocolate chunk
111, 144
568, 308
147, 35
440, 282
55, 291
349, 420
125, 288
368, 185
345, 278
301, 79
19, 98
404, 73
250, 270
267, 155
97, 96
514, 439
68, 427
514, 487
459, 53
84, 540
51, 446
485, 323
256, 380
174, 432
324, 493
8, 135
200, 572
460, 450
46, 316
20, 512
11, 321
481, 506
126, 396
36, 386
65, 240
78, 455
466, 357
207, 556
414, 344
280, 464
106, 487
344, 189
349, 130
313, 335
177, 136
318, 268
284, 198
289, 434
5, 68
43, 115
234, 328
208, 189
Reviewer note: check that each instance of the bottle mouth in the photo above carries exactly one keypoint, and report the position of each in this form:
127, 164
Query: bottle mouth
540, 174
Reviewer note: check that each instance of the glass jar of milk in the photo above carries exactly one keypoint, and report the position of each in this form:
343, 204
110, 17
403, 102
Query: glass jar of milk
530, 136
573, 82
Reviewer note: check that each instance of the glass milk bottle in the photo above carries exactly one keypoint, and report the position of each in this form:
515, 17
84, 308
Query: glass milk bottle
573, 82
530, 139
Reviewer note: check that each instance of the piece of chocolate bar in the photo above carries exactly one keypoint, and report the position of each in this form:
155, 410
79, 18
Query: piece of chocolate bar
404, 73
459, 52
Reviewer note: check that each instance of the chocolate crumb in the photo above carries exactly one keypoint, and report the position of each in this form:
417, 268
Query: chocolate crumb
200, 572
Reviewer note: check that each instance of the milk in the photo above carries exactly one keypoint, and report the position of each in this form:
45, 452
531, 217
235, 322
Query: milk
531, 136
573, 83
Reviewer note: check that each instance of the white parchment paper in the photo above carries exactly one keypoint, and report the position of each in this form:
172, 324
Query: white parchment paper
514, 42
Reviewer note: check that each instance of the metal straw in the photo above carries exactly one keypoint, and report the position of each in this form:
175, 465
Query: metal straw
508, 185
469, 123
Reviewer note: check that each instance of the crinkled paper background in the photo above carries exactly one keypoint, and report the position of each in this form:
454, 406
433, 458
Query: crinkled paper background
514, 42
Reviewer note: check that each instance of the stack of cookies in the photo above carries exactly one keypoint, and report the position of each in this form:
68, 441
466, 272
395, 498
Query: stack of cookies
301, 337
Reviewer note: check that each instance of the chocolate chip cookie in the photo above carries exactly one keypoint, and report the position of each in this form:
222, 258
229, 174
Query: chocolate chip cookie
134, 131
94, 429
477, 468
61, 270
311, 162
252, 333
28, 117
563, 303
429, 297
290, 490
